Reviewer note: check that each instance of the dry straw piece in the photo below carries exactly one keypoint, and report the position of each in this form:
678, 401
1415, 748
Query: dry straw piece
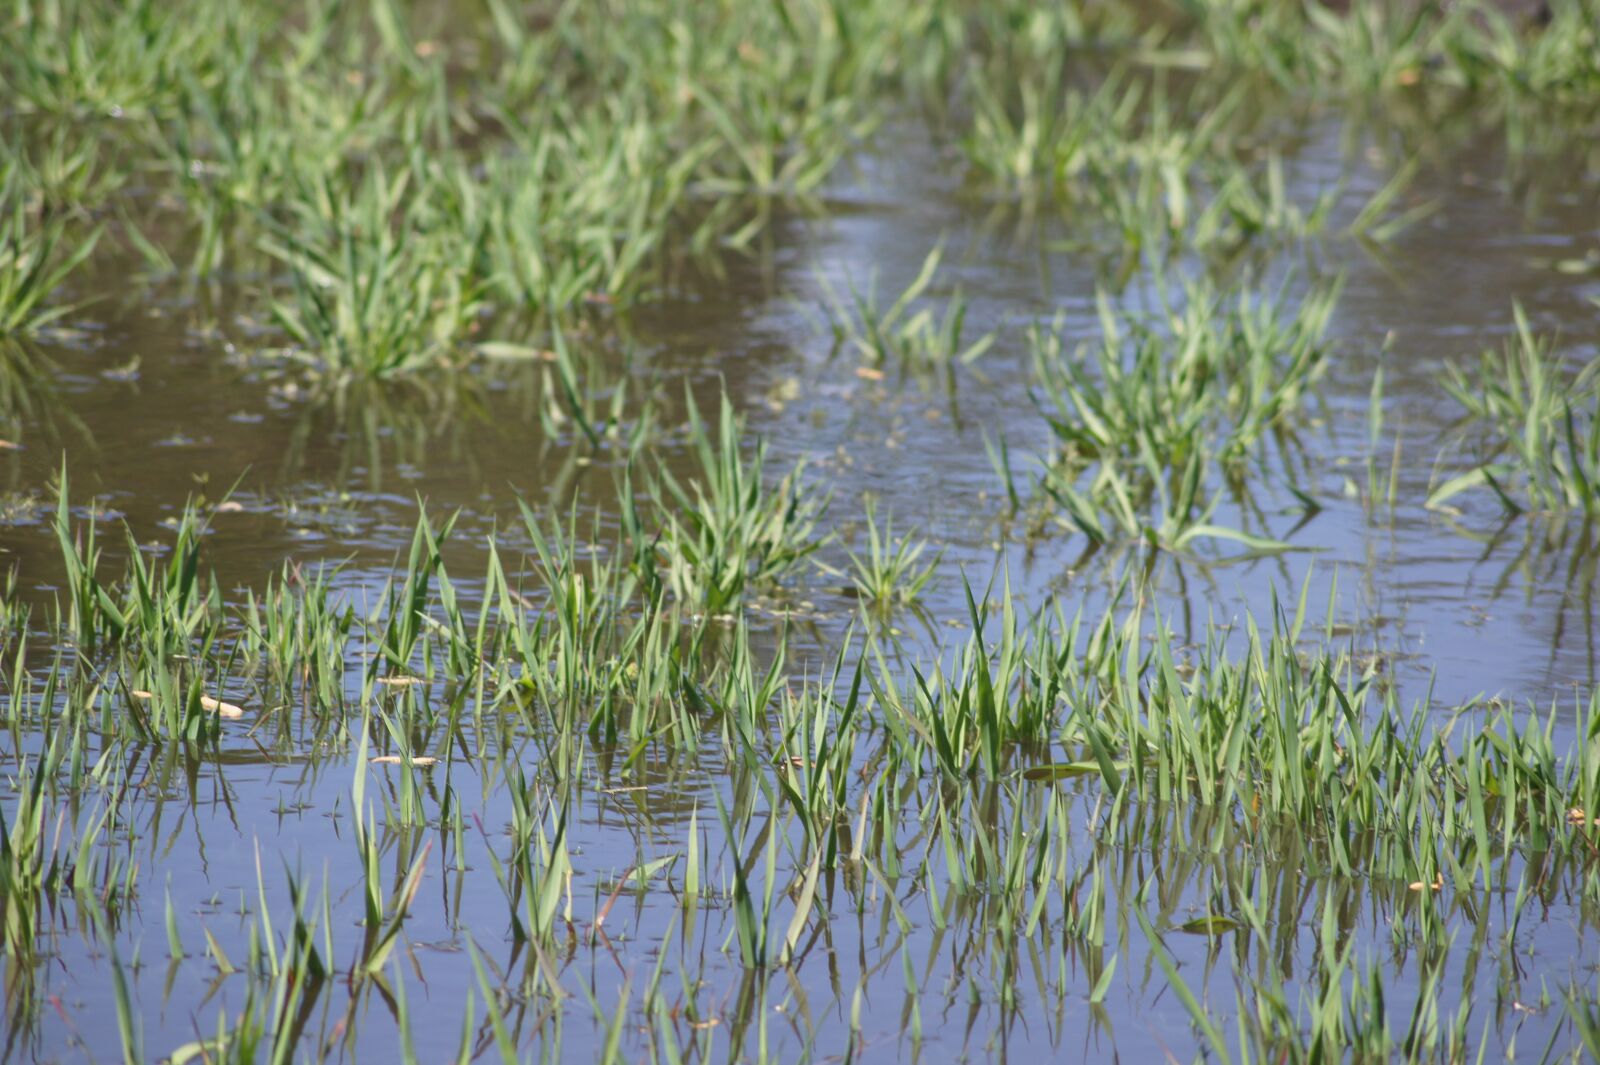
207, 703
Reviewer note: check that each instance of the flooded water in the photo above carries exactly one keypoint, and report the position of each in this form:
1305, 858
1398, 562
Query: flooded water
154, 395
151, 407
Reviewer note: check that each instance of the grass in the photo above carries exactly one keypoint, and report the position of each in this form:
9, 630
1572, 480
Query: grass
1473, 48
1542, 451
38, 253
891, 570
378, 286
726, 530
585, 797
967, 778
903, 334
1146, 167
322, 134
1140, 416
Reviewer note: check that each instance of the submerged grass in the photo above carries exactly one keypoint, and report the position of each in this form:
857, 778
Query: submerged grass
902, 335
726, 529
1142, 414
1005, 794
1542, 425
891, 569
525, 758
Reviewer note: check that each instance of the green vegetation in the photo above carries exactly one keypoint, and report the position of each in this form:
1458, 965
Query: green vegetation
1140, 416
890, 570
36, 255
900, 335
1543, 428
412, 173
599, 780
966, 783
727, 529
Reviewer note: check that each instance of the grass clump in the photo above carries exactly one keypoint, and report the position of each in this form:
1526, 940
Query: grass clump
380, 285
903, 334
89, 59
1259, 731
891, 570
1140, 416
38, 252
580, 212
1478, 47
1542, 428
726, 529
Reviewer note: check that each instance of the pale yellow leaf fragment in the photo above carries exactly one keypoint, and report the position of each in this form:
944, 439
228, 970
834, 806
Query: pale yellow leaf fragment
220, 708
207, 703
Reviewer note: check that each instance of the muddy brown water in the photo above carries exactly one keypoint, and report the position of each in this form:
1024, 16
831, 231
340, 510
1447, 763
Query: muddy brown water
1469, 605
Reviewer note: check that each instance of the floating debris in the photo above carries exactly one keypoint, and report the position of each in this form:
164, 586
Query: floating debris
207, 703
